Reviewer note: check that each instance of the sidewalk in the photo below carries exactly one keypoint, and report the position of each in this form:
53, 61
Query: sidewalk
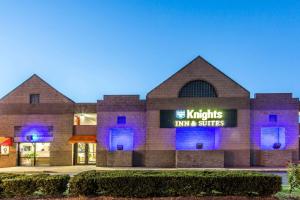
72, 170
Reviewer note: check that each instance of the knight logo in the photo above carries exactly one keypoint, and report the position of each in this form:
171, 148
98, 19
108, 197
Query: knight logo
180, 114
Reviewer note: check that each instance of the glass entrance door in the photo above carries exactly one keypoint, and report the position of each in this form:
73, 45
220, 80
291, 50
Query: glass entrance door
92, 153
81, 157
34, 154
85, 153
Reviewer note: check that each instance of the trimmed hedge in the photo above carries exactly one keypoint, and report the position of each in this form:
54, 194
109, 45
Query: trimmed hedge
54, 185
18, 187
173, 183
28, 185
6, 176
142, 184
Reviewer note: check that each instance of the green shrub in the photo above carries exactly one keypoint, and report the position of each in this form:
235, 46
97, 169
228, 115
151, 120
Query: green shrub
53, 185
19, 187
6, 176
27, 185
173, 183
293, 176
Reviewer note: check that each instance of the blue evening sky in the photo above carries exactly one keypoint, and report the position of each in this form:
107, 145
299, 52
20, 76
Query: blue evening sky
89, 48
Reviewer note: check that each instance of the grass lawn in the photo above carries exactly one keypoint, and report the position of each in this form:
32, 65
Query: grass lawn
285, 194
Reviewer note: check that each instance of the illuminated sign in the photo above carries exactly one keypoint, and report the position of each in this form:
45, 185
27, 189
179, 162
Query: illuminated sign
4, 150
198, 118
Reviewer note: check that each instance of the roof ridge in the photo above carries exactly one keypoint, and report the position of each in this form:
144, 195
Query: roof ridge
187, 65
41, 79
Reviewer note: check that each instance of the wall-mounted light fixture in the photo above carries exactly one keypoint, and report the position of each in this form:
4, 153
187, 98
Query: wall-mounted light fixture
120, 147
199, 146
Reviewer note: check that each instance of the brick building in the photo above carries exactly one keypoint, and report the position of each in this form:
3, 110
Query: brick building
199, 117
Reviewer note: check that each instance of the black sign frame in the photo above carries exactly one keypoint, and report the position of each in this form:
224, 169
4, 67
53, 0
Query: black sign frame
168, 118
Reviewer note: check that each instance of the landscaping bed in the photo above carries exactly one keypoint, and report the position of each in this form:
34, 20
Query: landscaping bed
155, 198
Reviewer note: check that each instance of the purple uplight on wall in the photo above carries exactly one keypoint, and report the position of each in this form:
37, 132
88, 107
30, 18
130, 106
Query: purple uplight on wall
196, 138
33, 133
272, 138
121, 139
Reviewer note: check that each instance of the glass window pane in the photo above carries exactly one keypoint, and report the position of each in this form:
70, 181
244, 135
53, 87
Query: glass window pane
34, 98
85, 119
92, 153
198, 88
26, 149
42, 149
81, 153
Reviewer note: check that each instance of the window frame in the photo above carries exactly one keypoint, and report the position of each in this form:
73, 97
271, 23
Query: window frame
121, 119
34, 99
273, 118
197, 89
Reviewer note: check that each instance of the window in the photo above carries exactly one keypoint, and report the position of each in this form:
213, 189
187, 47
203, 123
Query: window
34, 99
121, 120
272, 138
85, 119
272, 118
197, 88
4, 150
34, 154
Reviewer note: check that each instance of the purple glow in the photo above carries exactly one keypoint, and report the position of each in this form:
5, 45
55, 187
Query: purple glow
187, 138
34, 133
271, 136
121, 136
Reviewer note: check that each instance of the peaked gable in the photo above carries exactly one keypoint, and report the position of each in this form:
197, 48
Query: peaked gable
35, 85
199, 69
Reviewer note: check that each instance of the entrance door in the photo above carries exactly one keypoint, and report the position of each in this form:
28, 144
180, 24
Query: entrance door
85, 153
34, 154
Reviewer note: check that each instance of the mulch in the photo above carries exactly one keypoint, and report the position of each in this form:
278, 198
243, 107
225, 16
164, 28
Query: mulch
179, 198
161, 198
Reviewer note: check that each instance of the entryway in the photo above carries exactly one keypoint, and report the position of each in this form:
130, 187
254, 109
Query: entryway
85, 153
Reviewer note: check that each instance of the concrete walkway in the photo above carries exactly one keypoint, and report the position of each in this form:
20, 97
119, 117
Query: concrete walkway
72, 170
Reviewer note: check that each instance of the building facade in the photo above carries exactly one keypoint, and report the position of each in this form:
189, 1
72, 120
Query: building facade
199, 117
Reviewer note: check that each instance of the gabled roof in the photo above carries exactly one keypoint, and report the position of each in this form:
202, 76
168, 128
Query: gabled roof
202, 59
40, 79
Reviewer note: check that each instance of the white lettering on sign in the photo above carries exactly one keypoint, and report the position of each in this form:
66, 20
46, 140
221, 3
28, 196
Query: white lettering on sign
204, 115
186, 123
193, 118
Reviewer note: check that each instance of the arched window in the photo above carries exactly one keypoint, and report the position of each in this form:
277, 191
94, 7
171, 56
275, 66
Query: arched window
197, 88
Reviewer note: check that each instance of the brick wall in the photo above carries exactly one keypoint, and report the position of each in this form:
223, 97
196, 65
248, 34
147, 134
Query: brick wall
85, 130
108, 111
35, 85
185, 159
60, 150
198, 69
286, 108
54, 110
274, 158
235, 142
155, 146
